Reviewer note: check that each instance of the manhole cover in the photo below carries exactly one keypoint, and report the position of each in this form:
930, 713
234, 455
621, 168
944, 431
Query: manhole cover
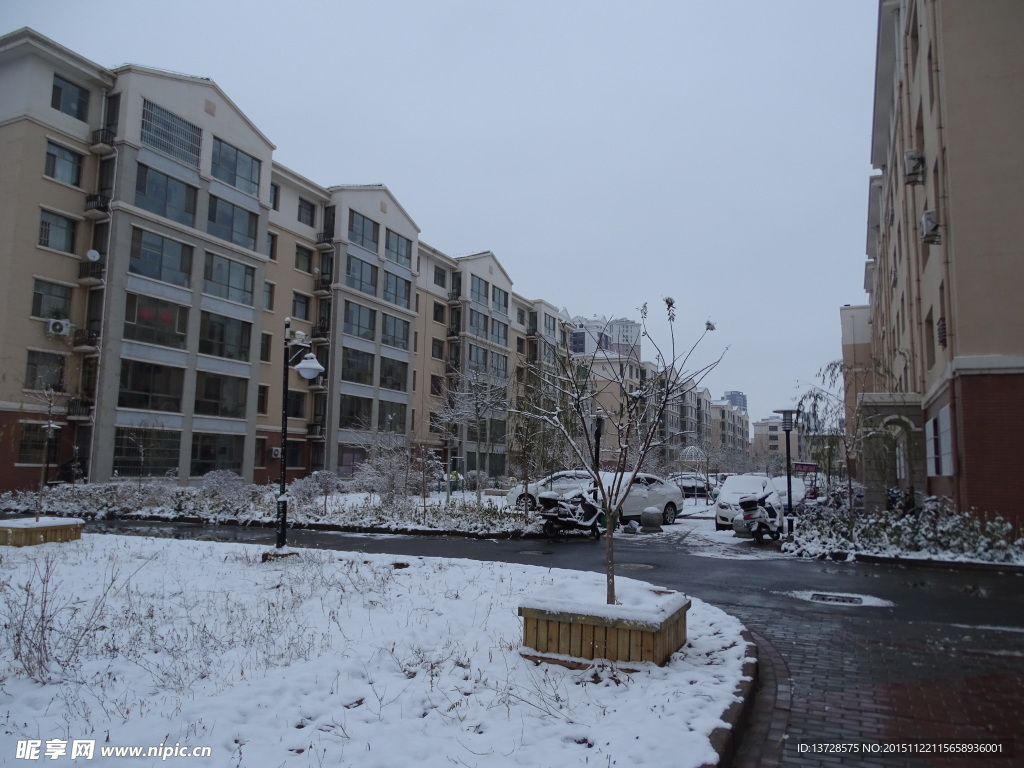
634, 566
845, 599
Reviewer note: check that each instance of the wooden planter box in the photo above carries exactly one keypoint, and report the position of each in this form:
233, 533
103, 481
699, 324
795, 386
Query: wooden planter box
27, 532
573, 639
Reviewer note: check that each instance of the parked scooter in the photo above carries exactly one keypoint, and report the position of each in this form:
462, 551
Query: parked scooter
758, 518
576, 513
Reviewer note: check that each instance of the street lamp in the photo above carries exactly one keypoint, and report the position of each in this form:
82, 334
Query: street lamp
787, 427
309, 368
49, 428
598, 430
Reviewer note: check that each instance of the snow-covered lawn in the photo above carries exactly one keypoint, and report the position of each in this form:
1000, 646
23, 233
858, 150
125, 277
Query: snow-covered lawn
328, 658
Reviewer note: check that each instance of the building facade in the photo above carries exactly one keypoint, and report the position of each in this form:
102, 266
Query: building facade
943, 256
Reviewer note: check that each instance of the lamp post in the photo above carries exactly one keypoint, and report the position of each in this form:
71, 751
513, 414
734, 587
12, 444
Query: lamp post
49, 428
787, 427
598, 430
309, 368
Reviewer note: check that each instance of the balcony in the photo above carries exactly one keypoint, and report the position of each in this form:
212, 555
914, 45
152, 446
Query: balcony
453, 331
454, 296
103, 141
318, 383
321, 331
322, 285
79, 409
85, 342
97, 206
91, 272
325, 241
531, 329
316, 430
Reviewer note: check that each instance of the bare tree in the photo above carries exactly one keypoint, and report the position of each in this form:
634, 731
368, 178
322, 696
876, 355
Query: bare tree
597, 397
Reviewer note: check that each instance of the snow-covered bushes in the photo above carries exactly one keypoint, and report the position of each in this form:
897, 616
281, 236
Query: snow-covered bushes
935, 531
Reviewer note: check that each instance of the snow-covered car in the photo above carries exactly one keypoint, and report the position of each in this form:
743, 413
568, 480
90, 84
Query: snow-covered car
646, 491
562, 483
735, 487
690, 483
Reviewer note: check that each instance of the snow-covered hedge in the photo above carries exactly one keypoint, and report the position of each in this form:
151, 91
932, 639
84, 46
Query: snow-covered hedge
935, 531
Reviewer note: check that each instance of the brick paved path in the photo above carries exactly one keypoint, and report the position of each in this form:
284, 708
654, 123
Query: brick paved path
839, 674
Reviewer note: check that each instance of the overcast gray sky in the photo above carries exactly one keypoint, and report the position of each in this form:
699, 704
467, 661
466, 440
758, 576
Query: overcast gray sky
609, 153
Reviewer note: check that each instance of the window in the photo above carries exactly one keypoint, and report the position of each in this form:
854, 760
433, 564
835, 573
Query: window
218, 395
357, 366
307, 212
398, 249
271, 246
300, 306
293, 454
159, 454
550, 325
51, 300
224, 336
521, 316
303, 259
499, 365
578, 342
498, 430
436, 385
235, 167
160, 258
170, 134
440, 276
394, 332
57, 232
360, 321
394, 374
390, 417
265, 341
268, 296
499, 300
296, 404
165, 196
155, 321
63, 165
69, 98
355, 412
437, 349
45, 370
361, 275
33, 443
477, 358
150, 386
773, 428
397, 290
262, 399
477, 323
436, 425
275, 196
232, 223
228, 279
939, 444
216, 452
439, 312
363, 231
773, 438
478, 289
499, 333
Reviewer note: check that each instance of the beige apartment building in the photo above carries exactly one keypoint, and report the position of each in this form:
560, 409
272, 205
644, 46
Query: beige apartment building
944, 264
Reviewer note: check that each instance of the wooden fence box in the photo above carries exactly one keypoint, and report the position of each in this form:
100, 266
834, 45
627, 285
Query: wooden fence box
567, 635
27, 532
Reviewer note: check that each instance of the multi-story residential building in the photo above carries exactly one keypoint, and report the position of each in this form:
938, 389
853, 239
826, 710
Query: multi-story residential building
736, 398
152, 251
769, 442
730, 433
943, 263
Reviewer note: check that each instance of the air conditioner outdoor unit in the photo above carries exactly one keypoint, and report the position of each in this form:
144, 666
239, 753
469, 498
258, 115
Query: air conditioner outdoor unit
913, 166
58, 327
275, 453
930, 228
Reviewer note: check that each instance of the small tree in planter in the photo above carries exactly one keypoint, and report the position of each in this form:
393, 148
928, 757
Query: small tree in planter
598, 399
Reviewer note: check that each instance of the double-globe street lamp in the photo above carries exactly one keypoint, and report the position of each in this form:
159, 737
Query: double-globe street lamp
309, 368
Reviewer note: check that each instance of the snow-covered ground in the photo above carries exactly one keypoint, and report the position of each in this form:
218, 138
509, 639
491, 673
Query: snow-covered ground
328, 658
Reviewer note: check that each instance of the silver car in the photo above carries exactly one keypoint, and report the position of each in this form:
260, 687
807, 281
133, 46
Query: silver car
561, 483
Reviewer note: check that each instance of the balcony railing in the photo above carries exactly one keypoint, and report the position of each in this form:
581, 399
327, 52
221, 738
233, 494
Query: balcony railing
103, 140
85, 338
315, 429
324, 238
91, 271
97, 206
323, 283
321, 331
